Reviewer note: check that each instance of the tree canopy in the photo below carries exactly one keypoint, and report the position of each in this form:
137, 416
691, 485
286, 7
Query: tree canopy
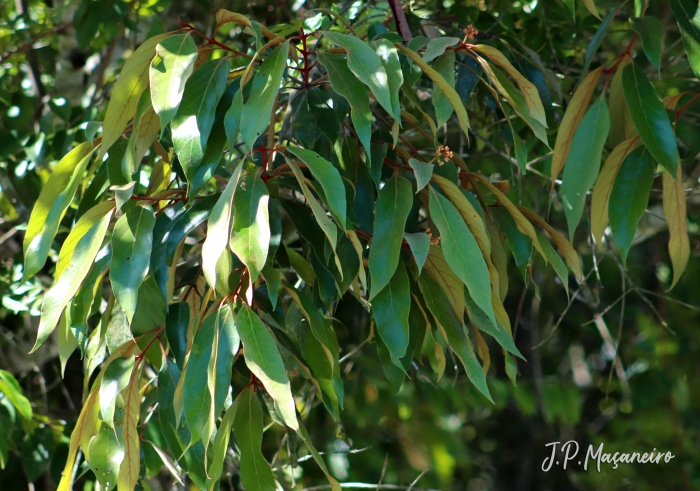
305, 246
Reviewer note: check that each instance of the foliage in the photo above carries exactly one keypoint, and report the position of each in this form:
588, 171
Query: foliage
259, 203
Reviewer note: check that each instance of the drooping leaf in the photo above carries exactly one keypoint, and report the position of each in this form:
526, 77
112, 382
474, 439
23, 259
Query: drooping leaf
445, 87
604, 185
572, 118
257, 110
687, 15
392, 209
174, 63
329, 178
621, 125
650, 117
423, 172
49, 209
583, 162
67, 285
264, 360
629, 197
390, 308
651, 31
445, 66
194, 119
132, 242
590, 5
176, 324
127, 91
131, 465
106, 455
461, 251
116, 378
250, 232
598, 37
256, 474
367, 67
392, 65
347, 85
675, 212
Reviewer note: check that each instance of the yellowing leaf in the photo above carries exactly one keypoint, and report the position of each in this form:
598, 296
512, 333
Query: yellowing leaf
675, 213
604, 184
520, 221
442, 84
573, 116
590, 5
127, 91
131, 465
436, 266
621, 125
532, 97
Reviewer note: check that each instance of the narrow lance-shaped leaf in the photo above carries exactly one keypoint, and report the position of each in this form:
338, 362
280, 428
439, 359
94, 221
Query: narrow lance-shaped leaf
195, 116
597, 38
604, 185
651, 31
572, 117
583, 162
462, 252
687, 15
54, 199
174, 63
442, 84
650, 117
675, 212
67, 285
127, 91
329, 177
532, 97
390, 60
629, 197
393, 206
250, 233
264, 360
219, 230
256, 474
346, 84
445, 66
131, 465
132, 242
367, 67
390, 308
257, 110
116, 378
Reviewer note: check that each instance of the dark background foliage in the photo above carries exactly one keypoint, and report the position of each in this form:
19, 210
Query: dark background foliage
59, 60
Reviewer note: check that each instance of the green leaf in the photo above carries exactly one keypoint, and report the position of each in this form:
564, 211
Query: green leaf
597, 40
151, 307
389, 57
390, 308
557, 262
67, 285
264, 360
650, 117
127, 92
329, 177
583, 163
176, 324
257, 110
347, 85
393, 206
452, 329
420, 246
479, 318
629, 197
651, 31
437, 46
367, 67
199, 406
52, 204
445, 66
422, 170
106, 455
461, 251
132, 242
37, 451
520, 244
195, 116
223, 434
11, 389
115, 379
173, 65
250, 234
256, 474
687, 15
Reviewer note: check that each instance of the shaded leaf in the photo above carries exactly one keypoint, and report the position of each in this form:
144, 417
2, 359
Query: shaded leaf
675, 212
390, 308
